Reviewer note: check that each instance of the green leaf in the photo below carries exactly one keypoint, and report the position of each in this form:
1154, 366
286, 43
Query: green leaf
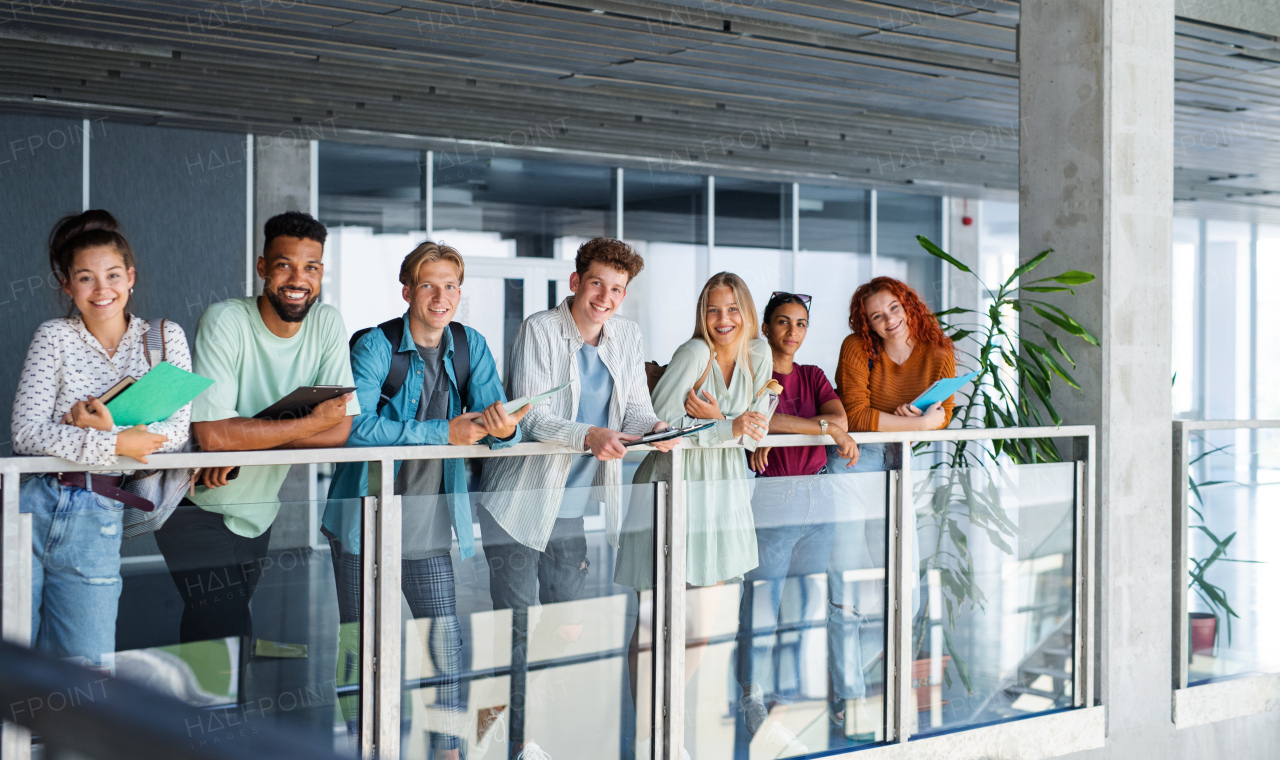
1027, 267
1057, 346
962, 668
934, 250
960, 335
1052, 363
1044, 289
1072, 277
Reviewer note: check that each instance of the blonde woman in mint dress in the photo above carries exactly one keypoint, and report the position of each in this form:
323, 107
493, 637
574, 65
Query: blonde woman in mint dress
726, 364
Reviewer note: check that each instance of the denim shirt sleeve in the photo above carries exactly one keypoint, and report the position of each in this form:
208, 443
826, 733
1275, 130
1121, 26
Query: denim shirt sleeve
370, 362
485, 386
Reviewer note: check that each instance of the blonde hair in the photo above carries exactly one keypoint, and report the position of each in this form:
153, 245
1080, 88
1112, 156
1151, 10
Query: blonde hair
427, 253
746, 306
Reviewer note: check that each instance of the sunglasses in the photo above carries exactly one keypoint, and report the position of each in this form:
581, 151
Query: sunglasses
801, 297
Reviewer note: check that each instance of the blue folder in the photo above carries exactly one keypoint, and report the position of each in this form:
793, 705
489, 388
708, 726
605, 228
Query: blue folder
942, 390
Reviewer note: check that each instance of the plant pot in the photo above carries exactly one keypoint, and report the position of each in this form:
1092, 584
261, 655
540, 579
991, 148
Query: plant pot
922, 684
1204, 631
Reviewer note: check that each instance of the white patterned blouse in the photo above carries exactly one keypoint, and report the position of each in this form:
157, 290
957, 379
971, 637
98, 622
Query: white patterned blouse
66, 364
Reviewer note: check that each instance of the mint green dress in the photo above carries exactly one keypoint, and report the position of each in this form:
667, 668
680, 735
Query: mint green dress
721, 542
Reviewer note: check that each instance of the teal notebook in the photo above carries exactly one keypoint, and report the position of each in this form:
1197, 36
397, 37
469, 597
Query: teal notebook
161, 392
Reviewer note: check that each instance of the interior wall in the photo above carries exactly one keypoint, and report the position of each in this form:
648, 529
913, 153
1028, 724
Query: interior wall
40, 181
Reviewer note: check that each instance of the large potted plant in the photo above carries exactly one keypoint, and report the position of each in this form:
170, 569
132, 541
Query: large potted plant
1204, 625
1018, 346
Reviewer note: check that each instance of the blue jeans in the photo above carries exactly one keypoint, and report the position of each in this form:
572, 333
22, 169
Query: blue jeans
793, 532
854, 637
75, 570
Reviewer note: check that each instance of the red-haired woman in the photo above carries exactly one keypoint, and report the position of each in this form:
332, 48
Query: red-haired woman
895, 352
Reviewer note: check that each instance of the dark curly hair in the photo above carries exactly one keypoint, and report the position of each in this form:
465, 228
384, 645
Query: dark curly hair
611, 253
923, 325
293, 224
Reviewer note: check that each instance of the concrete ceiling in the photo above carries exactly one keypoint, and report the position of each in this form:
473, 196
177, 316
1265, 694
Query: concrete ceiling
915, 94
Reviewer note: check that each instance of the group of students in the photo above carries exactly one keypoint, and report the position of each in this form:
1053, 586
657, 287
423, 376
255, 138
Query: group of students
530, 509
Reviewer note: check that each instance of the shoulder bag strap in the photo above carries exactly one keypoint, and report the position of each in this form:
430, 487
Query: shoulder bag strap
156, 351
461, 360
393, 330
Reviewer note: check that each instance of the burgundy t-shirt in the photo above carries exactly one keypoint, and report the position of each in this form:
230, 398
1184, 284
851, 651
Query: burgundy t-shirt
803, 392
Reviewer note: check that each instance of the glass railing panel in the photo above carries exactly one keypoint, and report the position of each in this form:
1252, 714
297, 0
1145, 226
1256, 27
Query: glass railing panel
248, 630
992, 614
785, 659
539, 638
1232, 574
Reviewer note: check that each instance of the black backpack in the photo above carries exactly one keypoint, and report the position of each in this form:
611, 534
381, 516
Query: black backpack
393, 330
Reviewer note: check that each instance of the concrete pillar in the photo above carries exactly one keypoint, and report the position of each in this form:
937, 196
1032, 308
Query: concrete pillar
1096, 185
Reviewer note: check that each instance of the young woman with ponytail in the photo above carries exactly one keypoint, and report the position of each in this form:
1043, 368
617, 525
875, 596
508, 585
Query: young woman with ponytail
72, 361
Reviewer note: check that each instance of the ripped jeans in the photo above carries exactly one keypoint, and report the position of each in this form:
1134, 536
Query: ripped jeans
75, 570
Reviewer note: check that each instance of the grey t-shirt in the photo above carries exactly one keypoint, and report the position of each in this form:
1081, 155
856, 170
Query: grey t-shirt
426, 530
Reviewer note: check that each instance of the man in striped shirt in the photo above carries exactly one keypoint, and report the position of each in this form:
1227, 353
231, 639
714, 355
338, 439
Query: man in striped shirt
531, 518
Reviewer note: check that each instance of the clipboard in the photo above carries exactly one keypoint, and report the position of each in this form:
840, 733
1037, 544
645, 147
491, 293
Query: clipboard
300, 403
516, 404
942, 390
667, 434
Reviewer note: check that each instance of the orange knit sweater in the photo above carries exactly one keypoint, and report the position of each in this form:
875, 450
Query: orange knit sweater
886, 386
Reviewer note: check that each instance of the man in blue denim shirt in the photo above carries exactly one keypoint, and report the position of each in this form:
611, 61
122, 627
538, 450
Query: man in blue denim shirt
426, 410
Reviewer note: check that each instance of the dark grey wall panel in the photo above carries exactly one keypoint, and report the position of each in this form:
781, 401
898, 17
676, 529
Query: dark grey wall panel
40, 181
180, 197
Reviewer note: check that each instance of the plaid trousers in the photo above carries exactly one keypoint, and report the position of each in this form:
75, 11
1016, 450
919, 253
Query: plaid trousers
427, 585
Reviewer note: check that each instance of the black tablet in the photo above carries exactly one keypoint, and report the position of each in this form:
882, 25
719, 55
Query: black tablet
300, 403
669, 433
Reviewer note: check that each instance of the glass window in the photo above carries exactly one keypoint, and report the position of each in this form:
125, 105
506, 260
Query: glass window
1186, 303
753, 214
539, 209
835, 219
899, 218
665, 218
364, 186
1268, 322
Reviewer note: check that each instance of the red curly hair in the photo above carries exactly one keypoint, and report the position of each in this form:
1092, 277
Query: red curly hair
923, 325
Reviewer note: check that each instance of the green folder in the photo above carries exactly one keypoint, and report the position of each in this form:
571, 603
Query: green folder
161, 392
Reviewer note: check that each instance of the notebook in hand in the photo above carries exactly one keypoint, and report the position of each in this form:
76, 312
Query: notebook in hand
300, 403
155, 397
941, 391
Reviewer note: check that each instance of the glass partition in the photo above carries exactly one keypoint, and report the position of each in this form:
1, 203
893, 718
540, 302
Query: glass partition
250, 631
992, 628
521, 645
786, 656
1232, 621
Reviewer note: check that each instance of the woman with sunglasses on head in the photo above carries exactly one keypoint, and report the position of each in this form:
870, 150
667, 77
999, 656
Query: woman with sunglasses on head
895, 352
793, 511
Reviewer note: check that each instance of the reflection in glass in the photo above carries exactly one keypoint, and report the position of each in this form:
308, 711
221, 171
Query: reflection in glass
665, 220
365, 186
899, 218
753, 214
993, 636
1231, 573
794, 651
518, 207
298, 665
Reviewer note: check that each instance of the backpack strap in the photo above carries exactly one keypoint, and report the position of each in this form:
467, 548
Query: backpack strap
461, 360
156, 351
393, 330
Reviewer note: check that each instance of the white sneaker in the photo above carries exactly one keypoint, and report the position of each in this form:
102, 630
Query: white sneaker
532, 751
778, 735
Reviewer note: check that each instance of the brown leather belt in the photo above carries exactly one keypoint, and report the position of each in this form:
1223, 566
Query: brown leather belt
105, 485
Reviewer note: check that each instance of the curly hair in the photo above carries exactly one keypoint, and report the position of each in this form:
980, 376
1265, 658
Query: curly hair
612, 253
923, 325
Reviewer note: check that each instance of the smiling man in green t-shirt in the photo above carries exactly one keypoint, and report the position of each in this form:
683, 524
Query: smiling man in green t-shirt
256, 350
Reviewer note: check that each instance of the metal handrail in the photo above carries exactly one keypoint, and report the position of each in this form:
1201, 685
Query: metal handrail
1181, 471
34, 464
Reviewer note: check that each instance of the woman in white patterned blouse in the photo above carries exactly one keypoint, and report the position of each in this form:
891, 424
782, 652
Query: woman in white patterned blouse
76, 530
